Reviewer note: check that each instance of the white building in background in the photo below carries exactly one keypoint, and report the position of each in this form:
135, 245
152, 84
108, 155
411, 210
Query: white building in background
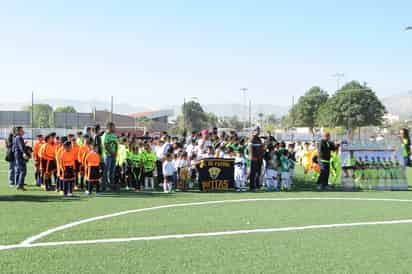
391, 118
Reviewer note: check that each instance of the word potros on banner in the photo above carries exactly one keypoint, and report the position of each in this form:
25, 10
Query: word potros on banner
216, 174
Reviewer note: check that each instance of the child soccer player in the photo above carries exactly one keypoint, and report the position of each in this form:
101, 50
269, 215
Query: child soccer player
240, 172
48, 160
168, 172
93, 172
75, 149
335, 166
183, 171
36, 159
84, 149
272, 169
285, 169
149, 159
121, 162
68, 168
59, 173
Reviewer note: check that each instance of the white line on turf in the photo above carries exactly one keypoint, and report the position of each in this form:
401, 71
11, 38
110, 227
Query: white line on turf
29, 242
208, 234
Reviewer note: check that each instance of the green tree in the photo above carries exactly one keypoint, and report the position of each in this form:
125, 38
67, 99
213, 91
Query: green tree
66, 109
230, 122
195, 118
354, 105
43, 115
305, 112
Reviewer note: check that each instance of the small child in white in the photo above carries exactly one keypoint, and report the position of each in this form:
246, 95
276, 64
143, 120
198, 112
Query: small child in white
240, 172
169, 171
285, 164
272, 170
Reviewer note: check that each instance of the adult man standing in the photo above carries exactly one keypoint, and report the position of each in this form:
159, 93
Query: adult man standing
10, 158
20, 156
256, 153
325, 149
110, 147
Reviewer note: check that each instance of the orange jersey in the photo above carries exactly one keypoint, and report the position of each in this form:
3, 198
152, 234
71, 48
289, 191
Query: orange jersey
92, 159
67, 159
59, 152
92, 162
36, 150
83, 152
75, 149
48, 151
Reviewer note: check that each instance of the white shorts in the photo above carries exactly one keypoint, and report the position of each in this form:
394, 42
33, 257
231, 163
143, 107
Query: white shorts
285, 175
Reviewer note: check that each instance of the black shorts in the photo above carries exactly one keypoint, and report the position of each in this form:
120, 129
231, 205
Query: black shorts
94, 174
68, 174
169, 179
148, 174
49, 166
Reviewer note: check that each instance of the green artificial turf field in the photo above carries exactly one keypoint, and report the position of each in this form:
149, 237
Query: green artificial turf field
358, 249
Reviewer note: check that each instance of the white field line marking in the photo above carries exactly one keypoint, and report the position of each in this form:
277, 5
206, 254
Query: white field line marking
103, 217
209, 234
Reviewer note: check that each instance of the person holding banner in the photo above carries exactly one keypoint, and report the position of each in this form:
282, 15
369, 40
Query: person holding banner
256, 153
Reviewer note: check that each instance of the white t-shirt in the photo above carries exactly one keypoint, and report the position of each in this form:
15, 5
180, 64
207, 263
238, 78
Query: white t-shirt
169, 168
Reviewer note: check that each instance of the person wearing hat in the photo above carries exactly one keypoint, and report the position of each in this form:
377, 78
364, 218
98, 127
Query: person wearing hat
256, 153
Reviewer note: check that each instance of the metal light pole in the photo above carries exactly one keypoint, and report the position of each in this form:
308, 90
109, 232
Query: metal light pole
338, 77
243, 91
32, 118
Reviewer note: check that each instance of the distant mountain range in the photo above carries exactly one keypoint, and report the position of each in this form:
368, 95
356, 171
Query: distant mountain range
239, 110
400, 104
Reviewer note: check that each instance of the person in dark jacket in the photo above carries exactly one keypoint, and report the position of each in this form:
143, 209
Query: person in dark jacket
10, 159
325, 149
21, 157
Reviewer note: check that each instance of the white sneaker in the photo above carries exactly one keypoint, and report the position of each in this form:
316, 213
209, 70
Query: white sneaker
87, 193
127, 188
70, 194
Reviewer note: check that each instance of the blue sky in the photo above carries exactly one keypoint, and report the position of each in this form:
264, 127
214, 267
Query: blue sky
154, 53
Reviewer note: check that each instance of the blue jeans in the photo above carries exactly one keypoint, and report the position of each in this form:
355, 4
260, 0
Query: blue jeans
324, 174
21, 170
406, 161
108, 171
12, 173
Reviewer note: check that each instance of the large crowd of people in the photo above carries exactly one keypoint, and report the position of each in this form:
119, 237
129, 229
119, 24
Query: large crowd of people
96, 161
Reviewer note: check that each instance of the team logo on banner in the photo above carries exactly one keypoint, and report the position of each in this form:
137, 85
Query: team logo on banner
214, 172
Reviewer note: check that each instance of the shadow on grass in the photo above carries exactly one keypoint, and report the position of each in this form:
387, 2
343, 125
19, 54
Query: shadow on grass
37, 198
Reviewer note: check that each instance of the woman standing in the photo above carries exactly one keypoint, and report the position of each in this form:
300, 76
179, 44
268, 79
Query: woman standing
406, 146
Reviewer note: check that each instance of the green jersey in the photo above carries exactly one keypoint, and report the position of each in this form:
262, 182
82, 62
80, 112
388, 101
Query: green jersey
110, 145
149, 161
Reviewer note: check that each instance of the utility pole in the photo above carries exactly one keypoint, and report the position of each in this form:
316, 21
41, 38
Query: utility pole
250, 113
184, 118
111, 109
338, 77
32, 118
243, 91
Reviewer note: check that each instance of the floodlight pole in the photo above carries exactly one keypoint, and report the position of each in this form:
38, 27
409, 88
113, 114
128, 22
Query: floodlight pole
243, 91
32, 118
